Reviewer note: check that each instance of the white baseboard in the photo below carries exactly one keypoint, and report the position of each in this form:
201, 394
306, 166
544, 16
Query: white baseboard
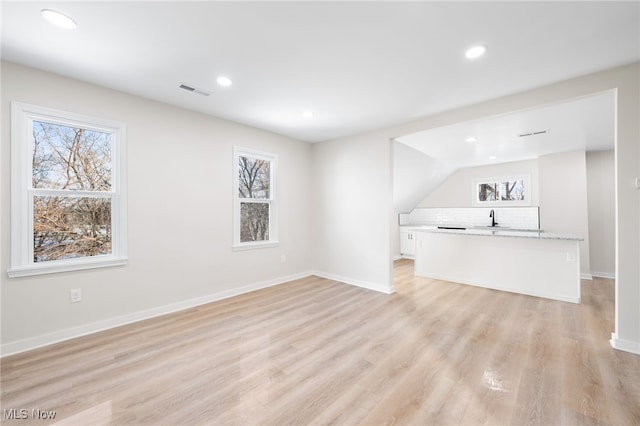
24, 345
382, 288
586, 277
609, 275
624, 345
398, 257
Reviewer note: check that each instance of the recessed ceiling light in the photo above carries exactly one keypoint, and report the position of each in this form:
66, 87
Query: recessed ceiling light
471, 139
475, 52
493, 157
58, 19
307, 114
224, 81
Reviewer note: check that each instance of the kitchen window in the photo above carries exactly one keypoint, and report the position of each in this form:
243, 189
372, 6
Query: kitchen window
255, 203
502, 191
68, 193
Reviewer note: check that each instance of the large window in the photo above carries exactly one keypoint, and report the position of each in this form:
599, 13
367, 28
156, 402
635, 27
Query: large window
255, 206
68, 198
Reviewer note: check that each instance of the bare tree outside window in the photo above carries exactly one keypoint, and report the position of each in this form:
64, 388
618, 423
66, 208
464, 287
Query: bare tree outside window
255, 178
254, 222
78, 161
501, 191
70, 227
255, 208
70, 158
512, 190
254, 183
488, 191
68, 191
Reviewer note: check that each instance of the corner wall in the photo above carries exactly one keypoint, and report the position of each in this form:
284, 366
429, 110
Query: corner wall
351, 210
562, 179
414, 176
180, 216
602, 212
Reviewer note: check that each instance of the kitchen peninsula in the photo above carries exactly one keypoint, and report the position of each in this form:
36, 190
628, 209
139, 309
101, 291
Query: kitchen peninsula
527, 262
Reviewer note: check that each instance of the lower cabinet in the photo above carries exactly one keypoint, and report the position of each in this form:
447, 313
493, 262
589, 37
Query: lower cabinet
407, 243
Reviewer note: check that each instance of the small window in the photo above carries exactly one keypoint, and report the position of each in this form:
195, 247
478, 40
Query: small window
68, 199
255, 204
507, 191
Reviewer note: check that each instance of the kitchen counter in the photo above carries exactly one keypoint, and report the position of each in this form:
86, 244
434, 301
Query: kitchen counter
534, 263
500, 232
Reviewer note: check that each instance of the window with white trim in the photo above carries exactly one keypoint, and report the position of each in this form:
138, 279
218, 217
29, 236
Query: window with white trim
502, 191
255, 211
68, 191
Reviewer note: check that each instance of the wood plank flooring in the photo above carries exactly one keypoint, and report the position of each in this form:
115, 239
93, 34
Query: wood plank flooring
315, 351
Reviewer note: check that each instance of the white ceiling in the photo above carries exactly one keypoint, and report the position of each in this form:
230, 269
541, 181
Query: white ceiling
357, 65
581, 124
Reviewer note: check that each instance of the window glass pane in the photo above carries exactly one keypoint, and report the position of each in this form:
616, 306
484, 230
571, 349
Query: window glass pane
70, 158
487, 192
255, 178
254, 222
512, 190
70, 227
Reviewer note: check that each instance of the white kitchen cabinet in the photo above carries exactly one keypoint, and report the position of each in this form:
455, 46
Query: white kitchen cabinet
407, 243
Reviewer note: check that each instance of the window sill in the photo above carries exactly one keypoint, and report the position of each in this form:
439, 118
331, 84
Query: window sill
251, 246
63, 266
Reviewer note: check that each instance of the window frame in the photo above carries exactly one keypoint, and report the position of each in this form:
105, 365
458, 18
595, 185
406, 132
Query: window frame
273, 240
526, 201
22, 193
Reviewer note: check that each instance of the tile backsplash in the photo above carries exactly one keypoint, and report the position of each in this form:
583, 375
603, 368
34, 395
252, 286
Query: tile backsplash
512, 217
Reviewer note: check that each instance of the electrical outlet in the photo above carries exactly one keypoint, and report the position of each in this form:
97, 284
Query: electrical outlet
571, 257
283, 258
75, 295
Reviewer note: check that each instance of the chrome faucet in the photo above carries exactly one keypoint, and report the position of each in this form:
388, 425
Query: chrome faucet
492, 215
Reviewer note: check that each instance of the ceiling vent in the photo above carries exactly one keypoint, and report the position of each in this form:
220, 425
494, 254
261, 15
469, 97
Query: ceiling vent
189, 88
540, 132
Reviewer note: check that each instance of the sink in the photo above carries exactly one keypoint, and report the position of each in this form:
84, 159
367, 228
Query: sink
491, 227
505, 228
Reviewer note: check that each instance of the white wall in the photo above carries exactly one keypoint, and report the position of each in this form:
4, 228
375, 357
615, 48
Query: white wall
601, 199
564, 209
415, 175
457, 190
558, 186
180, 215
352, 206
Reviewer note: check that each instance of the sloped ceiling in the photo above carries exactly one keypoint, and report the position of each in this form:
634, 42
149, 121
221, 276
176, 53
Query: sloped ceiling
586, 124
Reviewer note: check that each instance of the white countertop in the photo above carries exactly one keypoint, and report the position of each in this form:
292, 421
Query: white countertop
498, 232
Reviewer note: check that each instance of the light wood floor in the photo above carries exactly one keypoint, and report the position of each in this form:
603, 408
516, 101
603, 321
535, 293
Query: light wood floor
315, 351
